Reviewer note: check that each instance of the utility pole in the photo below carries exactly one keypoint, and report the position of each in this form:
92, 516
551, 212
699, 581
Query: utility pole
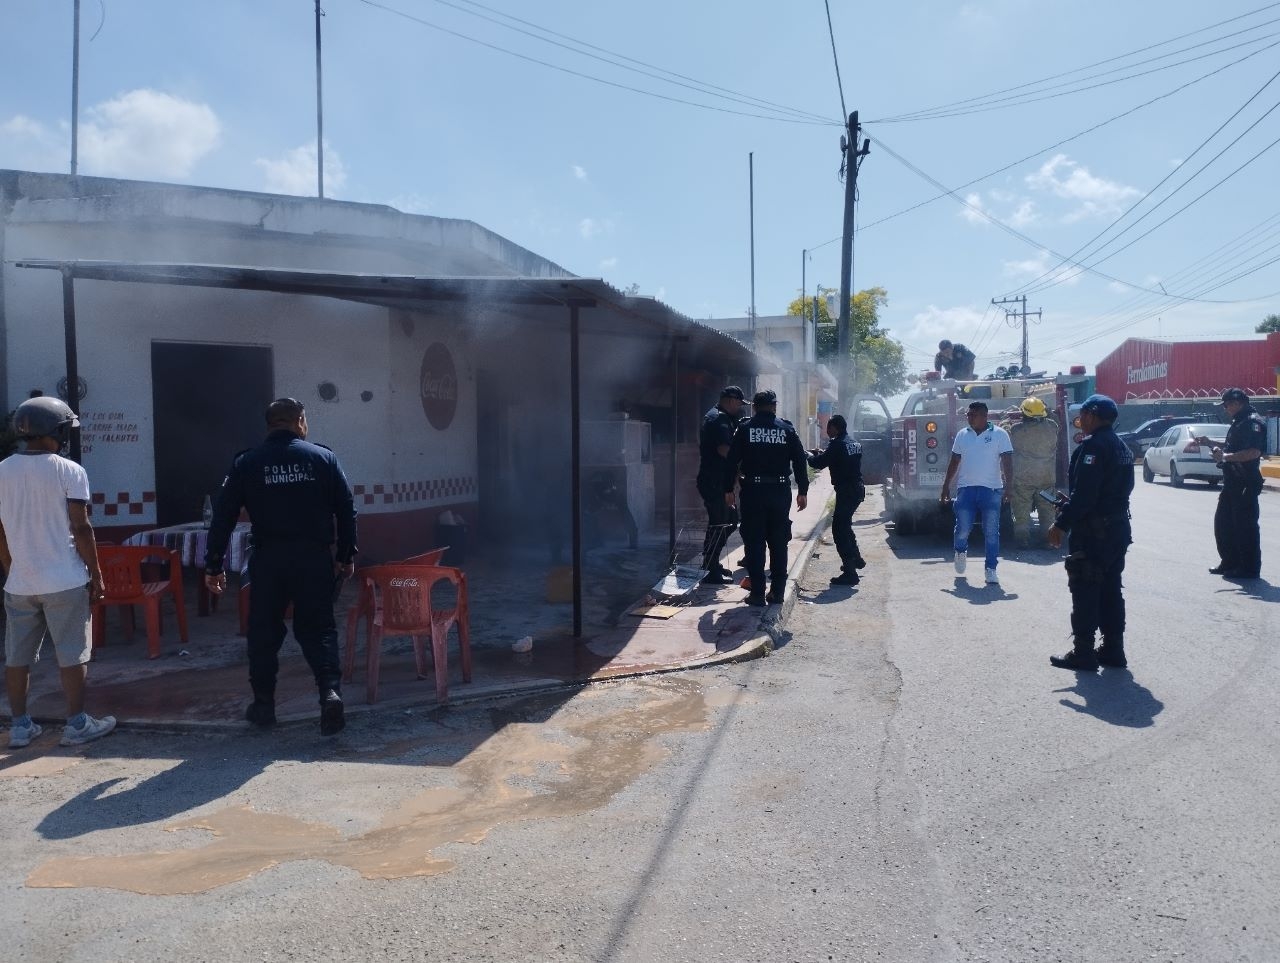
1023, 315
751, 205
851, 159
75, 90
319, 111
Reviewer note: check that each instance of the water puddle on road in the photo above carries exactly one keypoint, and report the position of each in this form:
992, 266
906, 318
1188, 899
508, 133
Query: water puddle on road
524, 771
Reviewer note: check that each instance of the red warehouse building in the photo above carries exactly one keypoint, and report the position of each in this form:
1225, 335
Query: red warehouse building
1142, 369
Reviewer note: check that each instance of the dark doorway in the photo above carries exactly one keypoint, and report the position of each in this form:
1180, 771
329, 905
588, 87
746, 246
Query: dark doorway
208, 401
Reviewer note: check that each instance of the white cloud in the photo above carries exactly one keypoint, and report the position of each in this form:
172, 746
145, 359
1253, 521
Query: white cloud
1044, 264
972, 208
295, 172
608, 264
1094, 196
146, 133
934, 323
27, 144
1023, 214
142, 133
579, 172
590, 227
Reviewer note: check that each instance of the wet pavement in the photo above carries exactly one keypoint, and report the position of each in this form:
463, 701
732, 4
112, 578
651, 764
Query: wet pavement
203, 684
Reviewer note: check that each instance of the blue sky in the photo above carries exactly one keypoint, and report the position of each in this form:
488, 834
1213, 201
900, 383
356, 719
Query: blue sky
641, 190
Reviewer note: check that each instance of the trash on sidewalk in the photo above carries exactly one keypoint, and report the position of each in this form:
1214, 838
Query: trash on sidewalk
681, 580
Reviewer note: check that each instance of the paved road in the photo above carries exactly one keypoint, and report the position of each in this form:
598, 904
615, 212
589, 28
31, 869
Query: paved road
905, 779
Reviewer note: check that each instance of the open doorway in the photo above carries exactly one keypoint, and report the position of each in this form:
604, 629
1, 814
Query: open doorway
207, 402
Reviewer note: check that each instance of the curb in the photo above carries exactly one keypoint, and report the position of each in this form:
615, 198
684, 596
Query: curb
773, 622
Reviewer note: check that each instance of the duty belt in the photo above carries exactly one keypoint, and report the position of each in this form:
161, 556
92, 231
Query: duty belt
768, 480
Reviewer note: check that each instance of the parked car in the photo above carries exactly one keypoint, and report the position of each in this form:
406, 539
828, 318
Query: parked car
1177, 454
1147, 433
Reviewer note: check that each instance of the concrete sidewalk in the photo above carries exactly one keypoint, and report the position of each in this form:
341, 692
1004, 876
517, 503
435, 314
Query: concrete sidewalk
203, 685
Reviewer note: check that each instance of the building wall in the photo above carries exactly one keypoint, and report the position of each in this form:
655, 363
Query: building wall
405, 469
1158, 369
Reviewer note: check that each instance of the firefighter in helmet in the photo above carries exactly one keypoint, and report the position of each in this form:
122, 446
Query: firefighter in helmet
1035, 453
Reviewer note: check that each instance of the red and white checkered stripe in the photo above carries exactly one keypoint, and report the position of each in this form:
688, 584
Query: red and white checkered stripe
427, 490
121, 503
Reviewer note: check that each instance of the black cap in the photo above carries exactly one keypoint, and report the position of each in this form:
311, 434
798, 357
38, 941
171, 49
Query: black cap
764, 398
732, 391
1234, 394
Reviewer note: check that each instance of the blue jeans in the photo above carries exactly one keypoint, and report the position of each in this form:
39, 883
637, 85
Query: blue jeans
969, 502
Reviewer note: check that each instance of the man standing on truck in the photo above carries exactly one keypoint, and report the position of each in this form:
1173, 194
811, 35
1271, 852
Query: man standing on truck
1035, 452
956, 359
982, 467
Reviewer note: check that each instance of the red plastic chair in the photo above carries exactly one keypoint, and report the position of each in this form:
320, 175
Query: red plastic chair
365, 607
402, 606
122, 576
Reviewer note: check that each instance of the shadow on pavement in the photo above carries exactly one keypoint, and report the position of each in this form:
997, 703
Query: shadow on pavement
979, 594
1258, 588
1115, 697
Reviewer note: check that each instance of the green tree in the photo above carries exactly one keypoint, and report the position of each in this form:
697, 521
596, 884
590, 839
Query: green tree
879, 363
1269, 324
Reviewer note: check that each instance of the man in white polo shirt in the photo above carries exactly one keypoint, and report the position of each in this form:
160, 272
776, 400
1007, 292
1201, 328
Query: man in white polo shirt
51, 563
982, 467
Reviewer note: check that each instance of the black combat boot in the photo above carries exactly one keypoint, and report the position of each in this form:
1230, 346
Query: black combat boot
1081, 658
1111, 652
332, 717
261, 712
756, 600
846, 578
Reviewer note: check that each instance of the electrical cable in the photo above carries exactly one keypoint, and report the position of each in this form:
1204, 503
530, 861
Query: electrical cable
642, 63
1064, 141
831, 31
586, 76
1079, 252
1024, 100
691, 84
1018, 234
1099, 63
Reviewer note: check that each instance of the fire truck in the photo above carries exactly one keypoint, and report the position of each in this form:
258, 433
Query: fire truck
909, 453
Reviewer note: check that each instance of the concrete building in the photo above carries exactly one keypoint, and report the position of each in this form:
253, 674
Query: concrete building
433, 355
806, 389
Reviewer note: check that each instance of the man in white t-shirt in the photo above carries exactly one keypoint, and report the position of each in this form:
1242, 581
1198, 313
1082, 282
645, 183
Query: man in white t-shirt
51, 563
982, 467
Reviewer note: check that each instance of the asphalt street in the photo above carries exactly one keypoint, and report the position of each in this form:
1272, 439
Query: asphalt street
905, 779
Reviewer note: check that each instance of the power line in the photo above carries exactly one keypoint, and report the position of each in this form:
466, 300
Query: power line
1064, 141
1023, 237
1184, 207
586, 76
679, 81
1100, 63
832, 33
1080, 250
1023, 100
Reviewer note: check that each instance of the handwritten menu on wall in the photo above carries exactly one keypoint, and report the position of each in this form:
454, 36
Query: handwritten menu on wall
106, 428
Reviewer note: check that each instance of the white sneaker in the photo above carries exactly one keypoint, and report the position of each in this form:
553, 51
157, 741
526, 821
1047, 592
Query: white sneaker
992, 579
962, 559
20, 736
92, 729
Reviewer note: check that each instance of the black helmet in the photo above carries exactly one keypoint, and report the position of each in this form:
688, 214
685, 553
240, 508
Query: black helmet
44, 418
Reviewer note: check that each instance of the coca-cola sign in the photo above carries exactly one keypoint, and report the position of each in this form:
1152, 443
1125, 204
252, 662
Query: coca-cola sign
438, 386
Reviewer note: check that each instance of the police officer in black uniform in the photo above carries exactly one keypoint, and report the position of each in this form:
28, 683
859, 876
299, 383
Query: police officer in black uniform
843, 456
764, 452
295, 492
718, 426
1235, 523
1096, 514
